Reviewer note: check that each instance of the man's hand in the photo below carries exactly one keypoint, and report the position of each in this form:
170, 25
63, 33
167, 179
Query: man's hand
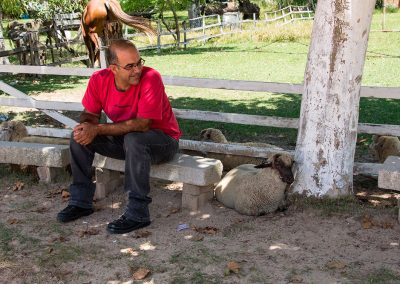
84, 133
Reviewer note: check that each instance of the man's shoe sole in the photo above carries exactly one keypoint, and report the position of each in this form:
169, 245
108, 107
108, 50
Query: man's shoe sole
127, 230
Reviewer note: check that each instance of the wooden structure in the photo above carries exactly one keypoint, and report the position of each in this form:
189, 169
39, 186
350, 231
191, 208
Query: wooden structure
46, 43
52, 108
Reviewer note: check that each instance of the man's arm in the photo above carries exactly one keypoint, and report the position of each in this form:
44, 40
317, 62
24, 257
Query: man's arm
121, 128
89, 128
89, 117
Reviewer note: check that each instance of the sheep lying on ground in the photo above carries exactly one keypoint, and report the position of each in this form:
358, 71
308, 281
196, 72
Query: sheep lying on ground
256, 190
232, 161
16, 131
13, 130
384, 146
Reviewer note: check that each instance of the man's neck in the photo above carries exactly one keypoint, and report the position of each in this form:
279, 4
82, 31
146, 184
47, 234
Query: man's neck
119, 87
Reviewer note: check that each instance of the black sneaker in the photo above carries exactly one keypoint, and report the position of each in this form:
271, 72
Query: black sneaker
123, 225
71, 213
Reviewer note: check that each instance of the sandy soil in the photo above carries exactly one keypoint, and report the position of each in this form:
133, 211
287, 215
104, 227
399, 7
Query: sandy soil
346, 241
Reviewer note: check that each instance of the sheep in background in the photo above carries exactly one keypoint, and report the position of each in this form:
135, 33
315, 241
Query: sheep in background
231, 161
384, 146
256, 190
13, 130
16, 131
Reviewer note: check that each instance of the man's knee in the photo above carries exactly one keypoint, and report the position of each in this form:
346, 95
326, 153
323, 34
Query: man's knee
134, 139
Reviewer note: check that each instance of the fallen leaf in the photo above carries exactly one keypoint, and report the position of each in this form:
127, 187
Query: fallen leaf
142, 234
233, 266
41, 209
367, 222
55, 192
336, 264
18, 186
130, 251
65, 194
89, 232
141, 273
206, 230
50, 250
295, 279
13, 221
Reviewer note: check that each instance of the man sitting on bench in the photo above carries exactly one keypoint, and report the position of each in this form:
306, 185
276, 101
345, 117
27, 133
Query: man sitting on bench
144, 132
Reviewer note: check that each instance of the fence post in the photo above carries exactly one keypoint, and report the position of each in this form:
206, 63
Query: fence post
254, 19
184, 34
204, 25
291, 13
283, 15
159, 36
220, 24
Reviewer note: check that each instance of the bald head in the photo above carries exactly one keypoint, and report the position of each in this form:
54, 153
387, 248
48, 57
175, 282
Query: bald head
115, 46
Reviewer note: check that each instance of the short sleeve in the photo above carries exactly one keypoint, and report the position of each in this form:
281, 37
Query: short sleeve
151, 96
91, 99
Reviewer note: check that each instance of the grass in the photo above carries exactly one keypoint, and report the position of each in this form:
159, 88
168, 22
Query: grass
270, 54
379, 276
7, 235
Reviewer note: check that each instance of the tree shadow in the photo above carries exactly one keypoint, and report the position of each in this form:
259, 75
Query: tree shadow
41, 83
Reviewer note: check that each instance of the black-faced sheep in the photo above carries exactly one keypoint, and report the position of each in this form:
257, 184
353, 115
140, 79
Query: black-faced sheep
232, 161
384, 146
255, 190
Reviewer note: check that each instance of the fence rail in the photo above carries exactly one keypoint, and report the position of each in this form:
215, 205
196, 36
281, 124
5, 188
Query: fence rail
53, 108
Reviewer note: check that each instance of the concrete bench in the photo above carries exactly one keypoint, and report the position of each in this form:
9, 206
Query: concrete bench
389, 176
198, 175
49, 158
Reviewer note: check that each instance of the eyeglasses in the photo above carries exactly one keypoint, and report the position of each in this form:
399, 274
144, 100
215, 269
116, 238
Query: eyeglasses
130, 66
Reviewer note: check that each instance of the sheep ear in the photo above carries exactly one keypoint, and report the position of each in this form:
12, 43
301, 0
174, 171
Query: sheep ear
264, 164
202, 133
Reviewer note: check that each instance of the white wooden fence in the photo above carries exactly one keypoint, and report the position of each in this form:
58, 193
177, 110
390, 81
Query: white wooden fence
214, 26
51, 108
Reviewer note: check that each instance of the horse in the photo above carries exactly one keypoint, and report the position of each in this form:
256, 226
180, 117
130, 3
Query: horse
96, 22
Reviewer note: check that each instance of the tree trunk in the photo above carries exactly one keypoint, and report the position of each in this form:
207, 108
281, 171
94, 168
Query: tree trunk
177, 28
329, 110
194, 12
3, 60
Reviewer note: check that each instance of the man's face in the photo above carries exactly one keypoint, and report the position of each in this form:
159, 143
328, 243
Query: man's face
128, 59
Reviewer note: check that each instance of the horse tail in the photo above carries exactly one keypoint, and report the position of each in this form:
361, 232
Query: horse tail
135, 22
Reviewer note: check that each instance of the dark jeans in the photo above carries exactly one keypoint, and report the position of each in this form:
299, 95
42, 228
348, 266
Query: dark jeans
139, 150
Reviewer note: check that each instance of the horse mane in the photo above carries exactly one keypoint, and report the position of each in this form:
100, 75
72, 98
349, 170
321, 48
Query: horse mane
136, 22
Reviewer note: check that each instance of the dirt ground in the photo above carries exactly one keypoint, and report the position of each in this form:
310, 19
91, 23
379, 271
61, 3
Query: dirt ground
352, 240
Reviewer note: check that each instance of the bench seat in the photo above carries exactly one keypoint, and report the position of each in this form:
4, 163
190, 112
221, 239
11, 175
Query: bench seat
198, 175
49, 158
389, 176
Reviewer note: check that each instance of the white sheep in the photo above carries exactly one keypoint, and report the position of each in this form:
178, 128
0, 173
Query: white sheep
384, 146
13, 130
16, 131
256, 190
231, 161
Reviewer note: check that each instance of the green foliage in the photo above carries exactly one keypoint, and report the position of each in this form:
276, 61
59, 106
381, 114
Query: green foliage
12, 8
47, 9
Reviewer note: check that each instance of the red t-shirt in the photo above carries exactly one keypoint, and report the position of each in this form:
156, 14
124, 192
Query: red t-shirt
146, 100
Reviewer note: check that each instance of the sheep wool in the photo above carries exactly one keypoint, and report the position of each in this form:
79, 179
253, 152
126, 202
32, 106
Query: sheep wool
384, 146
251, 191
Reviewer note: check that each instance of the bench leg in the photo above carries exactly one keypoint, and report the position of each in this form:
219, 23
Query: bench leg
106, 182
49, 174
195, 197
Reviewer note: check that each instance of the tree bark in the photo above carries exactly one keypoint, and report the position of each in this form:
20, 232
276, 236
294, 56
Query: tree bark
194, 12
3, 60
329, 110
